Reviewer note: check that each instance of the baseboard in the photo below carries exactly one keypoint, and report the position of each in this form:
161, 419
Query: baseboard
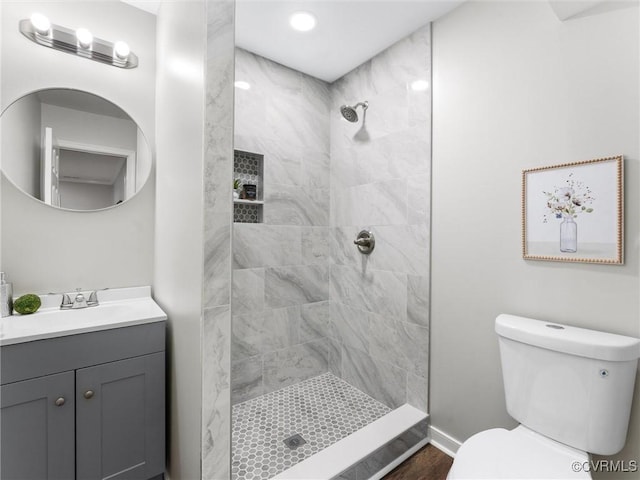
443, 441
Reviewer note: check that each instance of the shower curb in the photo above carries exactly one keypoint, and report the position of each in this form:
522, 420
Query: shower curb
368, 451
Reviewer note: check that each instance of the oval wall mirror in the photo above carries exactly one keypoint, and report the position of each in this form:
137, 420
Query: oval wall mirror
73, 150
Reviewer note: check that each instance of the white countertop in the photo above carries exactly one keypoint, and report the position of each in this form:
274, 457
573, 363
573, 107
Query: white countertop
119, 307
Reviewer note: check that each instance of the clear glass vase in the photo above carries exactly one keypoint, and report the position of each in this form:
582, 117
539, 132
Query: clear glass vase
568, 235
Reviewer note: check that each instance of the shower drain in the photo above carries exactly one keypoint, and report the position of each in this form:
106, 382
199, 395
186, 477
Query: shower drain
294, 441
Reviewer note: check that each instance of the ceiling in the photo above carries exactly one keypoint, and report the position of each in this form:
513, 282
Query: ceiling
348, 32
84, 167
82, 101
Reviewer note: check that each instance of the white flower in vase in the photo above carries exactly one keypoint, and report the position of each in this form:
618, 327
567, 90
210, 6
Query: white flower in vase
567, 203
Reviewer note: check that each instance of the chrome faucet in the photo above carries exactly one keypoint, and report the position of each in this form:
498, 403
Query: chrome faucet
93, 299
79, 301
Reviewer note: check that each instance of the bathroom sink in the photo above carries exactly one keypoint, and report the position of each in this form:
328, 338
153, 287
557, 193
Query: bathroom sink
118, 308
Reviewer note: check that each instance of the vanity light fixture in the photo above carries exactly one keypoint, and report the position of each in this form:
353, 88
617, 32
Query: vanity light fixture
79, 42
302, 21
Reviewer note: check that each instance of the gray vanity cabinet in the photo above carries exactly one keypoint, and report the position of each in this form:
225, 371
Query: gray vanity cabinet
85, 407
38, 438
118, 433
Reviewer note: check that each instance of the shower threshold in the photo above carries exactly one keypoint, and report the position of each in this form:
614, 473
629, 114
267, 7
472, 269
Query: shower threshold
287, 430
371, 452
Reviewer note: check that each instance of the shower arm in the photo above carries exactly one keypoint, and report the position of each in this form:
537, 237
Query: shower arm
364, 105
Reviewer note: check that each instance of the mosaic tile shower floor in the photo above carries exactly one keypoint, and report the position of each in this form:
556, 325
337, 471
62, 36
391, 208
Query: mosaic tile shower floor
322, 410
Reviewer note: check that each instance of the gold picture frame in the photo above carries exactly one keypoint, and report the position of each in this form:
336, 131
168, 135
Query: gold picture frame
574, 212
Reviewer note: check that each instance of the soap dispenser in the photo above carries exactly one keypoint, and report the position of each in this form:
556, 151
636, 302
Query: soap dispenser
6, 300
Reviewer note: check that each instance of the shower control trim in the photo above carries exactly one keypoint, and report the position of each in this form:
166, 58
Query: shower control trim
365, 241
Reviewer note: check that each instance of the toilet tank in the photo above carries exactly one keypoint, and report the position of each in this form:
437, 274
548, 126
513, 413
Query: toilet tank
570, 384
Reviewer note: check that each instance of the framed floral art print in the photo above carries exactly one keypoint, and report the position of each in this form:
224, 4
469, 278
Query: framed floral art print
574, 212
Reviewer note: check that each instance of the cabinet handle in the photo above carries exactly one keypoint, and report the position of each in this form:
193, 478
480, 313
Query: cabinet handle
59, 401
88, 394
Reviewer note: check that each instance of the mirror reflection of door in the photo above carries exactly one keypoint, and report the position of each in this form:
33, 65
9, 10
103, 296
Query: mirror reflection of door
50, 168
81, 176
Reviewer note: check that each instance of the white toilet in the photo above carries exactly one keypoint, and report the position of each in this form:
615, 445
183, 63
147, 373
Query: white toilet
570, 389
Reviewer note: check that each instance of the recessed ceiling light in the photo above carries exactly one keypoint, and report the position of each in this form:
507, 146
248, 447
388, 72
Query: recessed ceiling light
242, 85
302, 21
419, 85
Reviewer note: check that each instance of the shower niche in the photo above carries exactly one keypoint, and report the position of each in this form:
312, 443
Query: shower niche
248, 169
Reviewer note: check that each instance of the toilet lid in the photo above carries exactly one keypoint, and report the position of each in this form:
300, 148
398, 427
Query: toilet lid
517, 454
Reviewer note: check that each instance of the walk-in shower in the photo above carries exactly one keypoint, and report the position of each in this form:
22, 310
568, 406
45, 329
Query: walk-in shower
330, 347
349, 113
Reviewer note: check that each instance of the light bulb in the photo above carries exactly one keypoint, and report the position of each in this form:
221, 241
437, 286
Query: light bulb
419, 85
302, 21
40, 23
85, 38
121, 50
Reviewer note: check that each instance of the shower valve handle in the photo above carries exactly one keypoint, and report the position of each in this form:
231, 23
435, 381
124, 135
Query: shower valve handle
365, 242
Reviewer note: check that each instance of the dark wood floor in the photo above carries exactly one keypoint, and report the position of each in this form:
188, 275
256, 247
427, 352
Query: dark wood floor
428, 463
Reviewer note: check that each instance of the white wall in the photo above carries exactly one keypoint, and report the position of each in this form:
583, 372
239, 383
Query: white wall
179, 227
1, 182
516, 88
44, 249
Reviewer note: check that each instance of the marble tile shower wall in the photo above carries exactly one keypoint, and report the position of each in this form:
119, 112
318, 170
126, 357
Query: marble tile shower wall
217, 209
281, 268
380, 181
304, 300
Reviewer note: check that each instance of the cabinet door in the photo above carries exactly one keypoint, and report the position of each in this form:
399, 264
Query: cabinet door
120, 419
37, 428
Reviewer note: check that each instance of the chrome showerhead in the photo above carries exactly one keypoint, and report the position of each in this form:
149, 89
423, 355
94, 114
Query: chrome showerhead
349, 113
